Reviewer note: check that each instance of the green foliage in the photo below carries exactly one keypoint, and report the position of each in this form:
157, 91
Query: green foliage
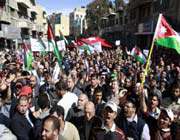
95, 11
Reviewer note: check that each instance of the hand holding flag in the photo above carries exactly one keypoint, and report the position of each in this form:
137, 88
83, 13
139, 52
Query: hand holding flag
51, 39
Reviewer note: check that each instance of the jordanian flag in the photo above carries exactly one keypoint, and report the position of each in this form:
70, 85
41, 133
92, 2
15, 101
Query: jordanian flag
51, 40
166, 36
138, 55
28, 56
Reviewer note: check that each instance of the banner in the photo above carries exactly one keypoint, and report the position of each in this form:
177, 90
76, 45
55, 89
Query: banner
37, 46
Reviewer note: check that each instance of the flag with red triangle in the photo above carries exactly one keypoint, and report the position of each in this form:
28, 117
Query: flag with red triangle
166, 36
138, 55
62, 37
51, 40
28, 55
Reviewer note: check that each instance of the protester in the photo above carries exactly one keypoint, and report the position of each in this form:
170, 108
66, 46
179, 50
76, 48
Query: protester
108, 130
22, 123
131, 124
51, 128
78, 110
67, 131
164, 123
67, 99
88, 121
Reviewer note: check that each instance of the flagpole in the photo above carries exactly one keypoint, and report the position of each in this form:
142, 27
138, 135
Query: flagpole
151, 50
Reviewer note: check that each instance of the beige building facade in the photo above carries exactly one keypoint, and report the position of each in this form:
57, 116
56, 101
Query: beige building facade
60, 23
21, 19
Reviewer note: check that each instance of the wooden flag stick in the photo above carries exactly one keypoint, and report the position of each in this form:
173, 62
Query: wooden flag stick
151, 50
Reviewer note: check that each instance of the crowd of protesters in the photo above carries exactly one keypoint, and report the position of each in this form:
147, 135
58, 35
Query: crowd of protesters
90, 97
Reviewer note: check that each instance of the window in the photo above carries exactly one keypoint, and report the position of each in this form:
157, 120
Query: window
2, 3
117, 21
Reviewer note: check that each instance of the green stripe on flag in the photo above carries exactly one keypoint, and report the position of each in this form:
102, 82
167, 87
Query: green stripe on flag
28, 60
56, 52
140, 59
169, 42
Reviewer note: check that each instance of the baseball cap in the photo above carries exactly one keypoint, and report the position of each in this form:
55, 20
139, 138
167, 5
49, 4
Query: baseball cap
169, 113
25, 91
112, 105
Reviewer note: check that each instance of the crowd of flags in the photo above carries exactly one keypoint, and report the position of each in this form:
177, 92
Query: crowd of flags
164, 36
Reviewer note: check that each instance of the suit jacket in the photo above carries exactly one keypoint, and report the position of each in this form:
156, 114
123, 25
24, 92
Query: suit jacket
85, 129
21, 127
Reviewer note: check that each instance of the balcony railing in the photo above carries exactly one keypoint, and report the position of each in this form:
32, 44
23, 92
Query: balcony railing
113, 28
25, 3
5, 17
25, 23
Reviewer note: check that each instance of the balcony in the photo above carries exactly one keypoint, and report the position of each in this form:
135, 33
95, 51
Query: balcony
5, 17
24, 23
145, 28
24, 3
36, 27
13, 4
138, 3
114, 28
44, 21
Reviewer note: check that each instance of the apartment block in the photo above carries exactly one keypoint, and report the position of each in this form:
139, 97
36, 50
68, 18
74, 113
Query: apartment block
20, 19
60, 23
78, 21
134, 22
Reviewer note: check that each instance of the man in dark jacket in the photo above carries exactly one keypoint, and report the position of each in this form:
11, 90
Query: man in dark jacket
88, 121
22, 123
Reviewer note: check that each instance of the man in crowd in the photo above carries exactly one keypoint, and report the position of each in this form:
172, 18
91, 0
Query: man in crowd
94, 83
22, 123
51, 128
131, 124
88, 121
78, 110
72, 87
108, 130
67, 99
67, 131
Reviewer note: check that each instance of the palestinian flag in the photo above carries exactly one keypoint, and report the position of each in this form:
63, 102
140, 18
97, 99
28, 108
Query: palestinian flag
51, 40
28, 56
84, 48
166, 36
87, 49
138, 55
62, 37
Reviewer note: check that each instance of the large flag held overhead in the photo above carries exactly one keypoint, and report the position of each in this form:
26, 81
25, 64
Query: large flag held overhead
138, 55
28, 56
166, 36
83, 47
92, 40
51, 39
